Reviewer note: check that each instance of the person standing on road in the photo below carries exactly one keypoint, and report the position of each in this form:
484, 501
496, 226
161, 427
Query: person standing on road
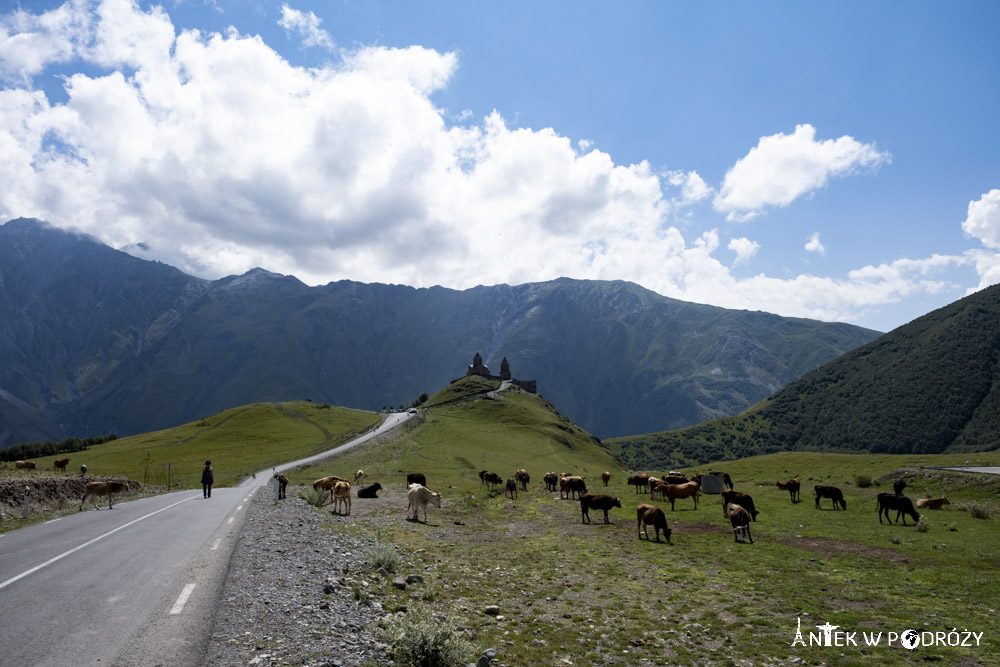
207, 479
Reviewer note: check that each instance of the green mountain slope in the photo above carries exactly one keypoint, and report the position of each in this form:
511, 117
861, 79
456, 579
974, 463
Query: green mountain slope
928, 387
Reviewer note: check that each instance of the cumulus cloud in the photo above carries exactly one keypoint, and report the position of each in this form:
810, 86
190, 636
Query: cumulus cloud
983, 223
350, 170
307, 25
814, 245
782, 168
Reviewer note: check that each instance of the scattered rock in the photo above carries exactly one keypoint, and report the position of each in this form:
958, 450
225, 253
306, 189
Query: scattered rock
492, 610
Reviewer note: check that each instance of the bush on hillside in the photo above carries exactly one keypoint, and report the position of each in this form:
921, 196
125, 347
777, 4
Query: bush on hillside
423, 641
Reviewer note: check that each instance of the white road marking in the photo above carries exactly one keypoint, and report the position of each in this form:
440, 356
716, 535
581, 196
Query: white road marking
182, 599
239, 508
217, 543
231, 519
87, 544
54, 520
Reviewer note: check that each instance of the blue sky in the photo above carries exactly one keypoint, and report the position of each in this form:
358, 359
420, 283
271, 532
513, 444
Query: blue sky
838, 161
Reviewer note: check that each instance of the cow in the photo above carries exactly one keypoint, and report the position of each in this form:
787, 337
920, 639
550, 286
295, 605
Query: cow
25, 465
651, 485
370, 491
902, 505
675, 478
605, 477
415, 478
326, 484
792, 486
282, 484
568, 486
60, 464
689, 490
93, 490
482, 477
493, 479
649, 515
730, 496
523, 478
726, 479
359, 476
898, 486
418, 496
342, 498
831, 492
740, 518
640, 481
510, 488
550, 479
589, 501
932, 503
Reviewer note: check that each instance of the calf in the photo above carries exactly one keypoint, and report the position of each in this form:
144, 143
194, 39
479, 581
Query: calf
60, 464
523, 478
326, 484
359, 476
510, 488
550, 479
932, 503
415, 478
342, 498
93, 490
370, 491
792, 486
742, 499
589, 501
902, 505
740, 518
648, 515
419, 496
25, 465
831, 492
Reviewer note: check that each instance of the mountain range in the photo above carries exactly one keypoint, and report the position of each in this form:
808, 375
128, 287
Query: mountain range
95, 341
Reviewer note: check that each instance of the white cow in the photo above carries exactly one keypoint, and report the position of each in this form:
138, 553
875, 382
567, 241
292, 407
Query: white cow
418, 496
359, 476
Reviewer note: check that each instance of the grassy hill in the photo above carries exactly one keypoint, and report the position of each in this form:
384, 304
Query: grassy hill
931, 386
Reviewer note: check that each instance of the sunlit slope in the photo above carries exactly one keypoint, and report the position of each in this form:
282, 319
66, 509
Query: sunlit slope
500, 432
239, 442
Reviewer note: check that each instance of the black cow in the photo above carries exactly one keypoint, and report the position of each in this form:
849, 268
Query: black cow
831, 492
551, 480
370, 491
589, 501
415, 478
902, 505
898, 486
493, 479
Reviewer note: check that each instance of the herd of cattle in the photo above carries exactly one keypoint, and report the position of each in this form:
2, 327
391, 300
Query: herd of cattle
737, 506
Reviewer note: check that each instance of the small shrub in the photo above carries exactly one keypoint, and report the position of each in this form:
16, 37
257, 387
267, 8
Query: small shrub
922, 526
863, 481
385, 556
953, 526
978, 510
896, 539
315, 497
419, 641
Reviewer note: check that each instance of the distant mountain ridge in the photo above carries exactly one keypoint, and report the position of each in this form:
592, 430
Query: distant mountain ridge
95, 341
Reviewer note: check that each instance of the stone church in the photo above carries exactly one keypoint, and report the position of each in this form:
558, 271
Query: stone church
479, 368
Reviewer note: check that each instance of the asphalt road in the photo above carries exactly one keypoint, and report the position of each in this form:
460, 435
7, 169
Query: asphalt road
130, 587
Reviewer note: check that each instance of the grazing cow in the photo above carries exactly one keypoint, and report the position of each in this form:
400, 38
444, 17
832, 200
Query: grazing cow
649, 515
932, 503
510, 488
282, 484
589, 501
902, 505
898, 486
726, 479
740, 518
605, 477
25, 465
742, 499
370, 491
831, 492
493, 479
640, 481
523, 478
568, 486
792, 486
688, 490
342, 498
550, 479
60, 464
327, 484
415, 478
482, 477
359, 476
418, 496
93, 490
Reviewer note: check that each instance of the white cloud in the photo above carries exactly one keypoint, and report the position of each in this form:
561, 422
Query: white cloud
693, 188
813, 245
983, 219
744, 248
782, 168
306, 24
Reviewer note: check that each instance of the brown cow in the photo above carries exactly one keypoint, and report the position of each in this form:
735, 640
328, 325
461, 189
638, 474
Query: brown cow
510, 488
589, 501
327, 484
60, 464
342, 498
568, 486
648, 515
25, 465
689, 490
605, 477
742, 499
740, 518
932, 503
550, 479
523, 478
110, 489
640, 481
792, 486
